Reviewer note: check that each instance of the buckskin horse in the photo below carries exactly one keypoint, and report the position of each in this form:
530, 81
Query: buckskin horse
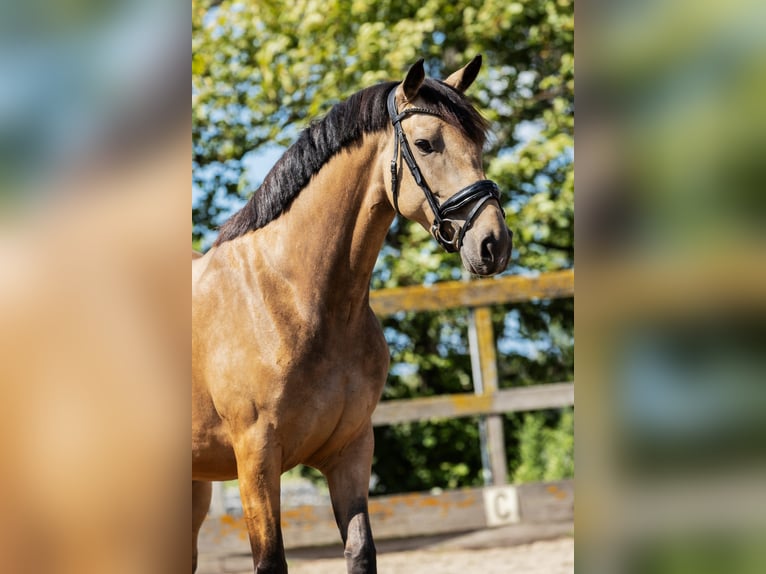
288, 359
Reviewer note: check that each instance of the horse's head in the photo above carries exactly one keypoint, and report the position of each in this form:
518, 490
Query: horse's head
437, 178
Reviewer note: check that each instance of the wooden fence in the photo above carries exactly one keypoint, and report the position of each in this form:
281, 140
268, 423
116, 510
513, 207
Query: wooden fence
488, 399
451, 511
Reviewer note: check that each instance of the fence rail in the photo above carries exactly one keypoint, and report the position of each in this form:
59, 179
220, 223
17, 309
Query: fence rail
454, 294
550, 396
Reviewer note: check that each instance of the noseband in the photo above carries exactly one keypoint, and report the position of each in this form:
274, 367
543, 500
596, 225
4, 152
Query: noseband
478, 193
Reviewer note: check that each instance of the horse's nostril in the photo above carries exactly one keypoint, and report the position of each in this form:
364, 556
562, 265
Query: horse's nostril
488, 246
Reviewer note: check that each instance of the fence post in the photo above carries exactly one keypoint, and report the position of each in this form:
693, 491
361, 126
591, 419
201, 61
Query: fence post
481, 341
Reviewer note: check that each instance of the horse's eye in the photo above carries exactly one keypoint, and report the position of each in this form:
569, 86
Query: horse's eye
424, 146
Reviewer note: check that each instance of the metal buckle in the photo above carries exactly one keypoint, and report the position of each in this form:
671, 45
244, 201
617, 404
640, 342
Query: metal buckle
450, 244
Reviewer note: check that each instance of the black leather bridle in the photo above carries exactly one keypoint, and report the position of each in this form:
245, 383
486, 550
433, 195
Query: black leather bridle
479, 192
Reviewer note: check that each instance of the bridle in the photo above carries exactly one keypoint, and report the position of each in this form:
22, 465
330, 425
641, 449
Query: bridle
479, 192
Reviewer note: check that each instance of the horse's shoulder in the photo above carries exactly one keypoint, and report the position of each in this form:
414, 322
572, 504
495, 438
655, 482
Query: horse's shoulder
206, 271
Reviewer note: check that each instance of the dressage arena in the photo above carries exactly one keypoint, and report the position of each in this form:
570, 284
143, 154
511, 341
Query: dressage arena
525, 528
490, 551
542, 557
521, 529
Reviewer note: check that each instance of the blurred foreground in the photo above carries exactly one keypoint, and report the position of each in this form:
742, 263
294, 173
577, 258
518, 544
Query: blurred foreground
94, 321
671, 292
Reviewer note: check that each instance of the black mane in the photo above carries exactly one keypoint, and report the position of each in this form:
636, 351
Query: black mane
363, 112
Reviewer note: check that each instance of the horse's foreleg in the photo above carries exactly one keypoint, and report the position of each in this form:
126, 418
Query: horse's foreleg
201, 493
348, 476
259, 468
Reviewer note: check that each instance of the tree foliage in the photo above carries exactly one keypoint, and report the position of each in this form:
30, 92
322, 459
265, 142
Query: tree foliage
261, 70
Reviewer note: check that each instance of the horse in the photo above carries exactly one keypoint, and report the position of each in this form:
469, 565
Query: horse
288, 359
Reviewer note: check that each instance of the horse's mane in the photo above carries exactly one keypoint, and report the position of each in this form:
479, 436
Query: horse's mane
363, 112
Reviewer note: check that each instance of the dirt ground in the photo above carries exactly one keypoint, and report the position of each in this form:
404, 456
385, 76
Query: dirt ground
543, 557
516, 549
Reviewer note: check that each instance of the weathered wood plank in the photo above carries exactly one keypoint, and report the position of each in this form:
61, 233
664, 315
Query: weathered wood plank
405, 515
452, 294
485, 344
496, 446
415, 514
546, 501
484, 363
549, 396
394, 516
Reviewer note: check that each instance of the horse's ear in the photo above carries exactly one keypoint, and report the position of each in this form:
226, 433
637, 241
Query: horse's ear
464, 77
414, 80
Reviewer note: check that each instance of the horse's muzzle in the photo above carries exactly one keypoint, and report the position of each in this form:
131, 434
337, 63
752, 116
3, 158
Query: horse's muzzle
491, 255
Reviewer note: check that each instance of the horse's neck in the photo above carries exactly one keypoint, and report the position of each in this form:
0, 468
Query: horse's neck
324, 247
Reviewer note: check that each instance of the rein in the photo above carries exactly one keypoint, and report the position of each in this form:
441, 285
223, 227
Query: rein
479, 192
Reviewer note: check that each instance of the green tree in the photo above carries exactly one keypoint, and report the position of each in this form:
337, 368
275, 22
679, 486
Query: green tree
545, 453
261, 70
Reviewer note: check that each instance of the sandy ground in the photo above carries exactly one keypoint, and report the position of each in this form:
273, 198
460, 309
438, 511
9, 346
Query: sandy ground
543, 557
516, 549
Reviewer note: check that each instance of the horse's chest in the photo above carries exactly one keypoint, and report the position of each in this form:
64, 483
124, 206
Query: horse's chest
340, 357
332, 383
328, 401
